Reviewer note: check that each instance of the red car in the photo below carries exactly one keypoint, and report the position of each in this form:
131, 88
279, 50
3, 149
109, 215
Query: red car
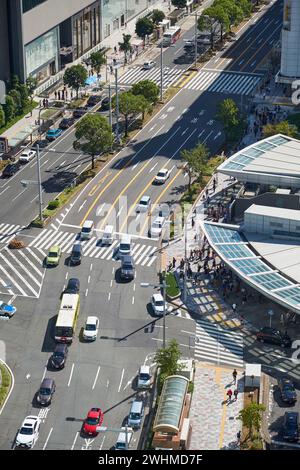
94, 418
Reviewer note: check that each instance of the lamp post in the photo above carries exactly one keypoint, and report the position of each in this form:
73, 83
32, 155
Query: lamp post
116, 66
161, 71
163, 285
196, 43
26, 183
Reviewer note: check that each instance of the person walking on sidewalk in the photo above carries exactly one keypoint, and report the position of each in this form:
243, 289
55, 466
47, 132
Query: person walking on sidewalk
235, 393
174, 262
234, 375
229, 395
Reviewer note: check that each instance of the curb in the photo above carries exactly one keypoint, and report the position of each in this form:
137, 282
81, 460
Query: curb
12, 383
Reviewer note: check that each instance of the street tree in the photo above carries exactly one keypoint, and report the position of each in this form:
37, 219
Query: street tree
233, 122
93, 135
97, 60
2, 116
75, 77
14, 82
251, 417
148, 89
167, 359
195, 163
130, 105
144, 27
246, 6
283, 127
31, 83
219, 14
23, 90
179, 3
125, 46
16, 96
207, 22
157, 16
233, 10
10, 108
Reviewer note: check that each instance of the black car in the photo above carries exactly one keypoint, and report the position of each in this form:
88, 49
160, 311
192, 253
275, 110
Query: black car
273, 336
46, 391
291, 426
105, 104
59, 356
287, 391
41, 143
76, 253
73, 286
127, 268
93, 100
10, 169
79, 112
66, 123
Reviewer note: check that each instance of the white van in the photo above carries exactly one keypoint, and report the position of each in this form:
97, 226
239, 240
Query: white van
125, 245
124, 436
136, 414
108, 235
87, 230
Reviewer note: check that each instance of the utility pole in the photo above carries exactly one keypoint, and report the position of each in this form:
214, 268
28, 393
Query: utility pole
161, 71
185, 262
117, 106
39, 182
109, 97
196, 43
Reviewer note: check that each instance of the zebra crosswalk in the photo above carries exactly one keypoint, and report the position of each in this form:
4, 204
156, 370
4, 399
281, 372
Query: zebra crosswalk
136, 74
143, 255
218, 345
9, 231
224, 82
21, 272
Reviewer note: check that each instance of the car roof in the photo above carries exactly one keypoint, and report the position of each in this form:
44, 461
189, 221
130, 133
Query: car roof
88, 223
94, 412
47, 383
54, 248
165, 170
145, 198
60, 347
91, 320
136, 406
127, 259
144, 369
30, 420
159, 219
26, 151
73, 280
157, 297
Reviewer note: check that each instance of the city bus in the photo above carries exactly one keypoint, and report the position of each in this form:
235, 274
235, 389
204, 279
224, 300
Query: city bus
67, 318
171, 35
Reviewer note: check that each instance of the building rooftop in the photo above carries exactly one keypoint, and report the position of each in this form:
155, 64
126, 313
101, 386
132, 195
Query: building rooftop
277, 212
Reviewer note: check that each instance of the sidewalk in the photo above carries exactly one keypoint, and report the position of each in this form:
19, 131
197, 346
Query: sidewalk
214, 421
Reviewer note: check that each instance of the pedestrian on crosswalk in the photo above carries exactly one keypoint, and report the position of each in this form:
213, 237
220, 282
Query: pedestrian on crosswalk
235, 393
229, 395
234, 375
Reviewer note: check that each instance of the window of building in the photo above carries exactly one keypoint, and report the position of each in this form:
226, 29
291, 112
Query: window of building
29, 4
276, 224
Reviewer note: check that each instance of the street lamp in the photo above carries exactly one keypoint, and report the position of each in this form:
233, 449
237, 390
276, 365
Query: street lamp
161, 71
26, 183
164, 287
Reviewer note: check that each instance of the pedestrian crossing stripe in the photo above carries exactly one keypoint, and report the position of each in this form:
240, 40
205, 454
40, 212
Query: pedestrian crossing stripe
224, 82
136, 74
9, 231
143, 255
217, 345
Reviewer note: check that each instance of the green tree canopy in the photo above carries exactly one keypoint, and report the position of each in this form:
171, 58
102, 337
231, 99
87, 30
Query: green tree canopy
2, 116
16, 96
97, 60
75, 77
179, 3
93, 135
207, 22
148, 89
157, 16
231, 119
31, 83
283, 127
144, 27
125, 46
130, 105
167, 359
10, 108
251, 417
195, 162
23, 90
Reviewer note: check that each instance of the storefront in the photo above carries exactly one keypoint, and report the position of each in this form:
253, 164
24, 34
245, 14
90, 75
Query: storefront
116, 15
42, 55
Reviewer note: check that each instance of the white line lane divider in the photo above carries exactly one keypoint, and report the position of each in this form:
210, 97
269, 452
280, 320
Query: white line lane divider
122, 375
96, 378
48, 437
101, 445
75, 439
71, 374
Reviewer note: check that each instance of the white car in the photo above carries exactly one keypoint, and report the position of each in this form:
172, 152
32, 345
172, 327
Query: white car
91, 328
27, 155
122, 437
149, 65
144, 204
157, 227
157, 302
29, 432
162, 176
144, 377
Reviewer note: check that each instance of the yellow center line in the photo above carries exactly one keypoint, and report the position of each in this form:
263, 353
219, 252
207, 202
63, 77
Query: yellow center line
159, 198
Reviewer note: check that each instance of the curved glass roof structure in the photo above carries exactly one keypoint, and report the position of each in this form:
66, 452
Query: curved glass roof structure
233, 248
273, 161
170, 406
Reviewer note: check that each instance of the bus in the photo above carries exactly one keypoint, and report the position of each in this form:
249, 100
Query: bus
67, 318
171, 35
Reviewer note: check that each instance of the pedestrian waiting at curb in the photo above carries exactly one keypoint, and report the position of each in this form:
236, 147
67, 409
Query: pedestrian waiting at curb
234, 375
229, 395
235, 393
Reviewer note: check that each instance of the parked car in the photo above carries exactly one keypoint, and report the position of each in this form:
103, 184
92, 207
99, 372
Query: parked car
79, 112
7, 310
144, 377
144, 204
28, 433
273, 336
105, 104
149, 65
65, 123
287, 391
94, 418
127, 268
53, 134
162, 176
10, 170
124, 439
93, 100
157, 227
59, 356
27, 155
91, 328
54, 255
46, 392
73, 286
42, 143
157, 302
76, 253
291, 426
136, 414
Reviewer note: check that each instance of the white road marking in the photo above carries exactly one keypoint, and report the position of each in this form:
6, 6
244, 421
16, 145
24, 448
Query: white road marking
44, 374
71, 374
91, 266
101, 445
109, 295
48, 437
18, 195
89, 279
82, 205
122, 375
132, 300
118, 214
111, 282
96, 378
86, 292
7, 187
75, 439
153, 167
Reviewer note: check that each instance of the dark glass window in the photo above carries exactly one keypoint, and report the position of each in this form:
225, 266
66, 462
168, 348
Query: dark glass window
29, 4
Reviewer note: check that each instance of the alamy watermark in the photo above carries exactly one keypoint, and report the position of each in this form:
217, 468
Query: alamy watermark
296, 92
